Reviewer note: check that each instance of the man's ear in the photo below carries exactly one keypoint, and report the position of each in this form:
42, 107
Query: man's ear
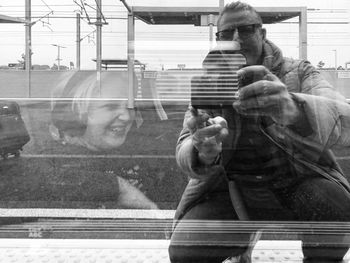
263, 33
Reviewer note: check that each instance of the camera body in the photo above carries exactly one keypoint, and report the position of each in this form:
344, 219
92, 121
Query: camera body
218, 85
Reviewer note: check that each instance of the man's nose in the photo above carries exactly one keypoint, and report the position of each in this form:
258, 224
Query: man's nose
236, 36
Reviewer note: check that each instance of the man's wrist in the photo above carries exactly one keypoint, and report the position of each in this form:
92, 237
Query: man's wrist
207, 160
300, 124
200, 159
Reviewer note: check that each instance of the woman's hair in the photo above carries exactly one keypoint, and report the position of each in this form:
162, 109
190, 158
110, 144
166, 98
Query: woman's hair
238, 6
69, 110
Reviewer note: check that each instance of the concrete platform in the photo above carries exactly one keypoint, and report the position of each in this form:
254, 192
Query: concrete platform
122, 251
138, 240
125, 251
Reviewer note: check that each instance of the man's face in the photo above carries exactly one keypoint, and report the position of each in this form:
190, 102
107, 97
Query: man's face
249, 34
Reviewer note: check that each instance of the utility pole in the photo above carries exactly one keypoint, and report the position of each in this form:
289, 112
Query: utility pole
130, 55
221, 4
78, 40
28, 44
131, 59
99, 42
211, 30
58, 54
335, 59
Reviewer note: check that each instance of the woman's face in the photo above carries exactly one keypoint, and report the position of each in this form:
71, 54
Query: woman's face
109, 119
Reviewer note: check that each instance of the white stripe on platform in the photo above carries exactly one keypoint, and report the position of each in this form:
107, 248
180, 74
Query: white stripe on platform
126, 243
85, 243
89, 99
87, 213
64, 99
101, 156
113, 156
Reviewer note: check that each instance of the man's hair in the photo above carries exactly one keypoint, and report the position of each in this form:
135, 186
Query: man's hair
239, 6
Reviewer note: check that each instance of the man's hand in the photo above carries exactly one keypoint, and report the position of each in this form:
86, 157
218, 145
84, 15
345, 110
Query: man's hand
266, 96
207, 135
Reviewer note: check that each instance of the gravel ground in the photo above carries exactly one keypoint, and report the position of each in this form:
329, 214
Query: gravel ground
51, 175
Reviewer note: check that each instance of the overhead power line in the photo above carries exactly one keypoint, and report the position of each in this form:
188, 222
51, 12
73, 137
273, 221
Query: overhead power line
83, 11
46, 5
65, 5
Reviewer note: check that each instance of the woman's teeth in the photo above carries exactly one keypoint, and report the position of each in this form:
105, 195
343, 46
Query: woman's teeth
117, 129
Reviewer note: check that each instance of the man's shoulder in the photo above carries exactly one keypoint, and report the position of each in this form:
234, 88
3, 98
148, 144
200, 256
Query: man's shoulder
291, 63
295, 66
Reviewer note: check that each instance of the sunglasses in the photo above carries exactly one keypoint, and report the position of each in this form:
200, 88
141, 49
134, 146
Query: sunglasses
243, 31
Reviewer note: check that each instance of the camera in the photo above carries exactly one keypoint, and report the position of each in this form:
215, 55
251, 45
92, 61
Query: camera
218, 85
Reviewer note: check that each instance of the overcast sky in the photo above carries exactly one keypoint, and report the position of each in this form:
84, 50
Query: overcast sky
328, 33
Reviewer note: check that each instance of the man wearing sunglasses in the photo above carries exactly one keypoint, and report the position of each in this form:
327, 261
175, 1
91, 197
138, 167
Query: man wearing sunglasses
274, 143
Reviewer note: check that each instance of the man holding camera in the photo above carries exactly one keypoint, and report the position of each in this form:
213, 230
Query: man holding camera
267, 157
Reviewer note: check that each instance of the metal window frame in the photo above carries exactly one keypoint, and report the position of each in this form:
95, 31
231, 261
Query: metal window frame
192, 15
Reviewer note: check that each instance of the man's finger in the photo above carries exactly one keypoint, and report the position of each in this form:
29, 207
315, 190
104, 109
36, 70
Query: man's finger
271, 77
197, 121
222, 135
259, 88
259, 102
207, 132
252, 74
258, 106
219, 120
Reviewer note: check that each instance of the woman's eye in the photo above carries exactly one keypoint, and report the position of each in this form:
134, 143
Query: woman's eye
113, 106
110, 105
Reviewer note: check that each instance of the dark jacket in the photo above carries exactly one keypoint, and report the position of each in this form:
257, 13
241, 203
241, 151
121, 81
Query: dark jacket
308, 143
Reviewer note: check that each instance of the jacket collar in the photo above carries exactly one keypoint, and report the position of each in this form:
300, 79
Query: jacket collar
272, 57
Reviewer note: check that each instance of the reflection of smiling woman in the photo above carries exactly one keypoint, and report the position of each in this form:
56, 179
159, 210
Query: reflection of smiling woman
97, 119
108, 124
